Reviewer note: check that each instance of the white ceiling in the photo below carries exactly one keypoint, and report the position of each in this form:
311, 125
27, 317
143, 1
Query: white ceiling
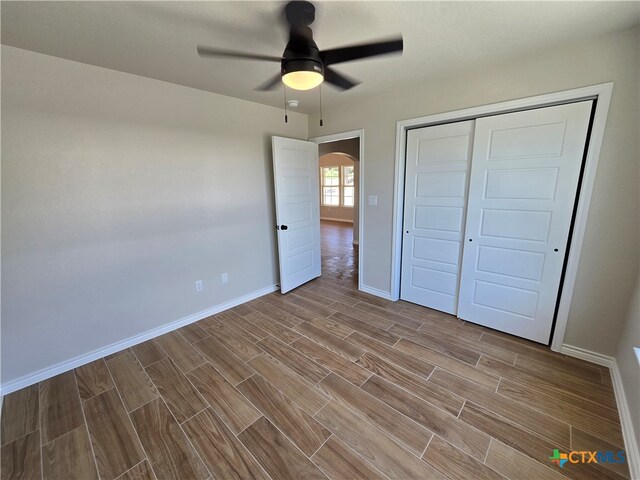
158, 39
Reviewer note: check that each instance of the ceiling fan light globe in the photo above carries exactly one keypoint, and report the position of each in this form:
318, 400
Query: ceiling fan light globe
302, 80
302, 73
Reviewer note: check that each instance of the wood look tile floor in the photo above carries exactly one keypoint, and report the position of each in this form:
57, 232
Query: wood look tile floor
324, 382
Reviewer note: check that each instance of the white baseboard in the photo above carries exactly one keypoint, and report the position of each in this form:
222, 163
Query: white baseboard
52, 371
375, 291
343, 220
628, 433
587, 355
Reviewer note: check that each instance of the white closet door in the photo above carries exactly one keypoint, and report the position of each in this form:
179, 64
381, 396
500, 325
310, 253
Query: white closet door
434, 211
524, 176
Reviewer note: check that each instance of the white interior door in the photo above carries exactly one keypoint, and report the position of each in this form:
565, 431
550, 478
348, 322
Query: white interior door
524, 176
297, 188
436, 181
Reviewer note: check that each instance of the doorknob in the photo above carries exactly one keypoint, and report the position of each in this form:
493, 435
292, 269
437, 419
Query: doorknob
283, 227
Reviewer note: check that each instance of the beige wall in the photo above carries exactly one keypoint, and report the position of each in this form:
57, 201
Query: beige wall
118, 193
610, 251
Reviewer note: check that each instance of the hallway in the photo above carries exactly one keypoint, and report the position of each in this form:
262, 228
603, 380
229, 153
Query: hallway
339, 254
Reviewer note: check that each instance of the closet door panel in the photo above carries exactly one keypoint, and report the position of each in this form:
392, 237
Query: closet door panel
436, 183
524, 179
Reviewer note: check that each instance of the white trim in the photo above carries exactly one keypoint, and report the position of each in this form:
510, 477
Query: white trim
78, 361
338, 136
587, 355
343, 220
628, 434
375, 291
580, 222
346, 136
355, 242
603, 94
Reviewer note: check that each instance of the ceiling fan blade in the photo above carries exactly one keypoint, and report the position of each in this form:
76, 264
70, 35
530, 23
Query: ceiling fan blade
216, 52
270, 84
356, 52
339, 80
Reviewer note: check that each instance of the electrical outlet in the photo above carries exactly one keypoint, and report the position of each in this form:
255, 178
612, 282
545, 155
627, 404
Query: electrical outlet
224, 277
373, 200
199, 286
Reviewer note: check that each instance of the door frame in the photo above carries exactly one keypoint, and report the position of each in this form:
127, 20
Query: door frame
601, 93
359, 134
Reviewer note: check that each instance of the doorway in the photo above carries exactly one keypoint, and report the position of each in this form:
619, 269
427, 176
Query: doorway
340, 173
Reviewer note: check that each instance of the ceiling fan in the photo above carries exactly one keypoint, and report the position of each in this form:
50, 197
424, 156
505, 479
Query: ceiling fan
302, 65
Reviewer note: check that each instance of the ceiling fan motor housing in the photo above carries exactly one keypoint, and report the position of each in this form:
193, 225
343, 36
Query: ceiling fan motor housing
302, 65
301, 52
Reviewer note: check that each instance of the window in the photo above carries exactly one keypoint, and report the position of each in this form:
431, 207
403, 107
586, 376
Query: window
348, 186
330, 177
337, 186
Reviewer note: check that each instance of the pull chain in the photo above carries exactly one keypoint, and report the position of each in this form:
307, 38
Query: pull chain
320, 90
284, 90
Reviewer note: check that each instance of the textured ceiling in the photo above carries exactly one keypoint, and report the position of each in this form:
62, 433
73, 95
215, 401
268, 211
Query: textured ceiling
158, 39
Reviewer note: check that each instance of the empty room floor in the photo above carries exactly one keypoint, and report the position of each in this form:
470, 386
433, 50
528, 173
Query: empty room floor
325, 381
